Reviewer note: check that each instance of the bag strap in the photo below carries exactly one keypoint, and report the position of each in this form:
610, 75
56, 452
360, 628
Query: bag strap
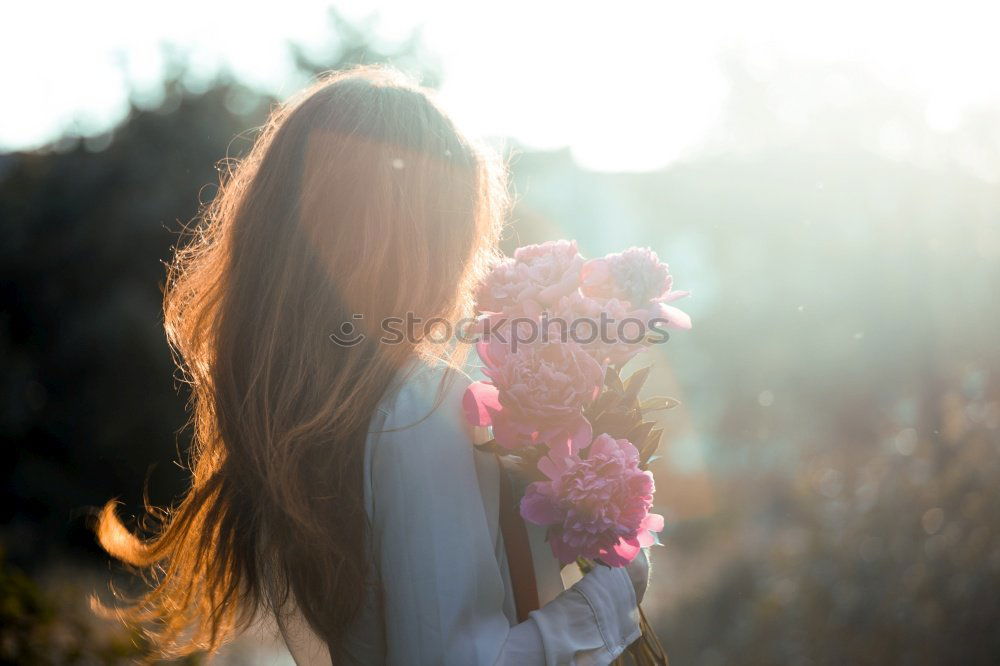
515, 543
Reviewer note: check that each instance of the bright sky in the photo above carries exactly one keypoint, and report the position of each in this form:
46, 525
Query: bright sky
627, 85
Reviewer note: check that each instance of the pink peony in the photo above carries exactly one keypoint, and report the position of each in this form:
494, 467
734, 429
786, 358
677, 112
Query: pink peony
639, 277
536, 277
615, 340
536, 394
595, 507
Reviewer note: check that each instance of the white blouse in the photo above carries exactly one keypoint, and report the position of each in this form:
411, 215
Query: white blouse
433, 503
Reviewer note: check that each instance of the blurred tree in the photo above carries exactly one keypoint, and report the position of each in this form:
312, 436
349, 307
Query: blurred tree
87, 403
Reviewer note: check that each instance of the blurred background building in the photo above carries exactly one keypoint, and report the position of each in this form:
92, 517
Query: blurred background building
825, 180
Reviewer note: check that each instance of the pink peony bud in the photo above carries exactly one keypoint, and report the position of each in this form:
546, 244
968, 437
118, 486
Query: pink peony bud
536, 277
609, 330
536, 394
595, 507
639, 277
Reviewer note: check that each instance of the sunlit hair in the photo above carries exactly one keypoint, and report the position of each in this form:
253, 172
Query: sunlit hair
359, 198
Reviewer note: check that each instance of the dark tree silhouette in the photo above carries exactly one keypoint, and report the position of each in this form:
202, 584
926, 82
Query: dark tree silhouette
88, 405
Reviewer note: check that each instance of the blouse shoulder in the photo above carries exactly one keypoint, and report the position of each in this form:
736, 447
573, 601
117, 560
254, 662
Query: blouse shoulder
427, 395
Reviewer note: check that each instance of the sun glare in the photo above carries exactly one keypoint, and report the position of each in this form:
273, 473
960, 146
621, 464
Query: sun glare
630, 88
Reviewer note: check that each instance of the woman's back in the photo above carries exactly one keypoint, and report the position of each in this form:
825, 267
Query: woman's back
446, 595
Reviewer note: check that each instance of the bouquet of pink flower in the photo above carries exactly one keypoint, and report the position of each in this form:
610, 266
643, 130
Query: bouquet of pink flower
556, 330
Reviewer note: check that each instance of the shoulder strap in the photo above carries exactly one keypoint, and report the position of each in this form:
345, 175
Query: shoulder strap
515, 542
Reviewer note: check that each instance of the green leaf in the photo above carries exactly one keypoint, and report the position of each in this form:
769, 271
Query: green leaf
613, 381
616, 425
639, 433
649, 447
607, 401
634, 384
658, 402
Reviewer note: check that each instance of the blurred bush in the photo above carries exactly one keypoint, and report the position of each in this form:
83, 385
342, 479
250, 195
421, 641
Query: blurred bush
42, 627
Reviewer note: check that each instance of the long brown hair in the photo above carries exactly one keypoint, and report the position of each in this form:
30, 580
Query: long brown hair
359, 201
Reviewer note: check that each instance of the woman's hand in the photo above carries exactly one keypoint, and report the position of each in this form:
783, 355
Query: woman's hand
638, 573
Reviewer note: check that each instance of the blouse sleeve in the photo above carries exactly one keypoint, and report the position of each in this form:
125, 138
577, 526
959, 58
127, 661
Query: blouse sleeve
443, 590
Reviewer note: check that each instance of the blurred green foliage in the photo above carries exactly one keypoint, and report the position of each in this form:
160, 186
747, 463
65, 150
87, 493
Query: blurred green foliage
38, 627
842, 405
